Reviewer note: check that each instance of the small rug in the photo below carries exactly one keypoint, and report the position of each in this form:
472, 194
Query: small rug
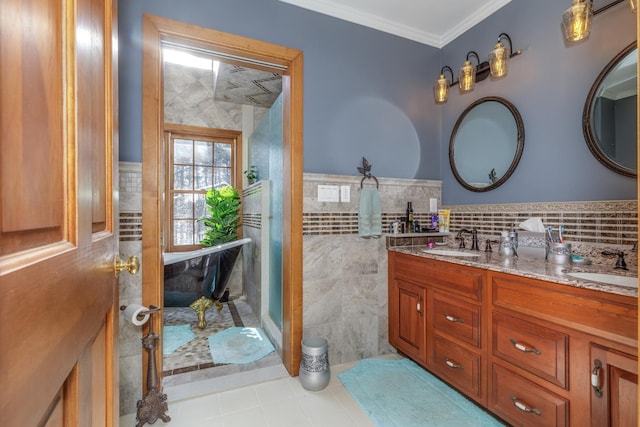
399, 393
239, 346
175, 337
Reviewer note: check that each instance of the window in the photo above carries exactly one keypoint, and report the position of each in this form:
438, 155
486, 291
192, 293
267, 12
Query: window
197, 159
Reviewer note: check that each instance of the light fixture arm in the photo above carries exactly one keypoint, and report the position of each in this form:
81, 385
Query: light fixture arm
504, 36
472, 52
446, 67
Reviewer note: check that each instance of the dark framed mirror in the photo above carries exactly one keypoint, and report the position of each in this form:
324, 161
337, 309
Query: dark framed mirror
486, 144
610, 111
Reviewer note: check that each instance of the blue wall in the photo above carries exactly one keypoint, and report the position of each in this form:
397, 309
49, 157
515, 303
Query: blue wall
366, 93
548, 84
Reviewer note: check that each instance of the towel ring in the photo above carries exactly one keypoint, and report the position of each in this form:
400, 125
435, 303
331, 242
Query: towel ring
365, 170
369, 177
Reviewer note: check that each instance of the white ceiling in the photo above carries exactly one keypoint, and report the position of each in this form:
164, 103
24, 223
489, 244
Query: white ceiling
432, 22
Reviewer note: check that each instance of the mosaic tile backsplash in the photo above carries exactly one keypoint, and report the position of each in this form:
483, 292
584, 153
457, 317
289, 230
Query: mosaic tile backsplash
601, 222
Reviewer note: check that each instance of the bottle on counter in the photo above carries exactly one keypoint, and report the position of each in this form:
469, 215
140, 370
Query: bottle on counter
409, 218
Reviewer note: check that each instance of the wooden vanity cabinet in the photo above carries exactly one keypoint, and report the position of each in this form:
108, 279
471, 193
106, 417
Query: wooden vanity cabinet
435, 318
545, 341
528, 350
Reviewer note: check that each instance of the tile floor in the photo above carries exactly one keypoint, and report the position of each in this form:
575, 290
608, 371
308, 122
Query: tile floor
260, 395
192, 362
280, 402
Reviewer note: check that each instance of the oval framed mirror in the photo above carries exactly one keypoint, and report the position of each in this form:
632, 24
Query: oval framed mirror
609, 115
486, 144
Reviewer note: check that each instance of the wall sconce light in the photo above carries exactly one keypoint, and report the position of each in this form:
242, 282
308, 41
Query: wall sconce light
467, 74
441, 86
499, 58
577, 20
497, 66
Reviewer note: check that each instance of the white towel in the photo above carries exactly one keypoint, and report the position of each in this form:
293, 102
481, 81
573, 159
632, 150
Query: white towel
369, 213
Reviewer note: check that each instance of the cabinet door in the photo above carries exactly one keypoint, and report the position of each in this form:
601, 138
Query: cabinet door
411, 335
614, 380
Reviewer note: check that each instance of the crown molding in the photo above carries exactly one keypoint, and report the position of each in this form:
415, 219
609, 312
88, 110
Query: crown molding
357, 16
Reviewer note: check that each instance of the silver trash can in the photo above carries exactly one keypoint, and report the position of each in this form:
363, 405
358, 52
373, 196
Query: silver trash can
314, 366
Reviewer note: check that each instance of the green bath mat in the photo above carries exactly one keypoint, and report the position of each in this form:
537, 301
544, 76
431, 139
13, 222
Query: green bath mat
175, 336
399, 393
239, 345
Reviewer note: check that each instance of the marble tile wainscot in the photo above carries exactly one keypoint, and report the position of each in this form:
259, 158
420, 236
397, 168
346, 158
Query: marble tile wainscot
345, 276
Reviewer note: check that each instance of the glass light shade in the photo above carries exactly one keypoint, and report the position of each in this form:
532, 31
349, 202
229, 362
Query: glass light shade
577, 20
467, 77
441, 89
499, 61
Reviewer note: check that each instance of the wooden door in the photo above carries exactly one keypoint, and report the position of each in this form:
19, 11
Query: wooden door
58, 301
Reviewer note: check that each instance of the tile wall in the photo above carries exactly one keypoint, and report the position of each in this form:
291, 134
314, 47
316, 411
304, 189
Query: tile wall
345, 276
130, 285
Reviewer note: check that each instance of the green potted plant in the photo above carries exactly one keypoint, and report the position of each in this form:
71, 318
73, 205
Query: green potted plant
223, 206
251, 174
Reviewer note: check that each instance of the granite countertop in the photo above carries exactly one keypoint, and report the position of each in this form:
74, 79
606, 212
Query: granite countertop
533, 268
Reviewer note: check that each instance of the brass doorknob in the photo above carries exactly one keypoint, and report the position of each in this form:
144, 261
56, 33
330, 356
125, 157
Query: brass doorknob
132, 265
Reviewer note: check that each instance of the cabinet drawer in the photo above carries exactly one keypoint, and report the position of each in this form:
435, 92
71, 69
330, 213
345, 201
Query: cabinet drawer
458, 366
457, 319
452, 278
598, 313
539, 350
521, 402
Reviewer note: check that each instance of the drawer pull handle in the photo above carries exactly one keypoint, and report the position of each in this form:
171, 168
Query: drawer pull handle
450, 318
419, 306
451, 363
525, 348
596, 378
523, 407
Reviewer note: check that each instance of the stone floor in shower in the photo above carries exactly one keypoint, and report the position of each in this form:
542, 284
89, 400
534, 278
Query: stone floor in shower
192, 361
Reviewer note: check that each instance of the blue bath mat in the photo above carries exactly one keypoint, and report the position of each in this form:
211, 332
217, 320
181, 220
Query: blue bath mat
175, 336
239, 345
399, 393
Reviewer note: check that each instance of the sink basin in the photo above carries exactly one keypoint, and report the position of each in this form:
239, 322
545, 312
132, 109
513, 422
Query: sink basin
612, 279
449, 252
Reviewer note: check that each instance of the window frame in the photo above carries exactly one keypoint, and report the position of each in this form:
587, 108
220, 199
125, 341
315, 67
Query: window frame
176, 131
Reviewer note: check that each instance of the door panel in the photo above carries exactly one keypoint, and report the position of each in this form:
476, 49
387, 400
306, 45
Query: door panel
58, 311
36, 87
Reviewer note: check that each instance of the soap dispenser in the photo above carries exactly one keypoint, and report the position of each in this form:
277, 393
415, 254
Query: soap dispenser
506, 248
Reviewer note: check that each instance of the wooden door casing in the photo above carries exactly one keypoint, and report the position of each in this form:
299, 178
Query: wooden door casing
58, 310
